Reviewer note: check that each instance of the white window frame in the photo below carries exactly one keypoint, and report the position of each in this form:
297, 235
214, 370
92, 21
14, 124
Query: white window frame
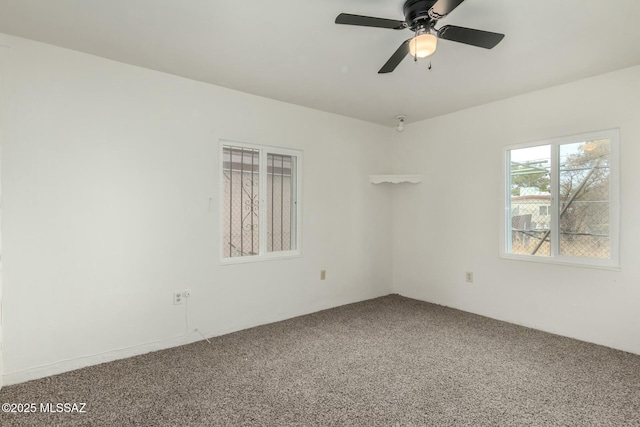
263, 254
613, 135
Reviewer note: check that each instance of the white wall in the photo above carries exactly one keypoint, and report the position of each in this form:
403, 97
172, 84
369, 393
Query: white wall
107, 175
4, 46
450, 222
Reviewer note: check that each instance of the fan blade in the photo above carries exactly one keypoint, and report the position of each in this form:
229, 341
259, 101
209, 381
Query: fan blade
368, 21
396, 58
470, 36
443, 7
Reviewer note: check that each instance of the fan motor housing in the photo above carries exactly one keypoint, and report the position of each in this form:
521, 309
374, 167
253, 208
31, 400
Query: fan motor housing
417, 11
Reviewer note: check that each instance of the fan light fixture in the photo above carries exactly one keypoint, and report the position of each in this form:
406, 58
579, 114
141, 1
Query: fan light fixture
421, 18
423, 45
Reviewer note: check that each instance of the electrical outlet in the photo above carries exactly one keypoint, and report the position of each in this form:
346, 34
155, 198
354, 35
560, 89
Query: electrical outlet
180, 296
469, 276
323, 274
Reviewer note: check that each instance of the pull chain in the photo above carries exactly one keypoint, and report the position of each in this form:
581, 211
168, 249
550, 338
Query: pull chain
415, 46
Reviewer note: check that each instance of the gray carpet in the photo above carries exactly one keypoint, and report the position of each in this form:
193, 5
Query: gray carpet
390, 361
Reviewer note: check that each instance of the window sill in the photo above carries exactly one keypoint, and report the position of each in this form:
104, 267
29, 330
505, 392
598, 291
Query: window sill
262, 258
579, 262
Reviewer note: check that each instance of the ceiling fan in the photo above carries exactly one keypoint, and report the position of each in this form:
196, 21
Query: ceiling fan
421, 17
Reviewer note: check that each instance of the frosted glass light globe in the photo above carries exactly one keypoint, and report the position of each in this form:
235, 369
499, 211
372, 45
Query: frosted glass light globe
423, 45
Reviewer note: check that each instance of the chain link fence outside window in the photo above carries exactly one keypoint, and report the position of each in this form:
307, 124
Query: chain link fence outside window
583, 205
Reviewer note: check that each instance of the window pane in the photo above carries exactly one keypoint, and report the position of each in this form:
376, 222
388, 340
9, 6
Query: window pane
281, 203
240, 170
584, 199
530, 200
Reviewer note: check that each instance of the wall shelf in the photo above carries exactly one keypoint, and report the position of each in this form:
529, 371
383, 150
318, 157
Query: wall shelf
395, 179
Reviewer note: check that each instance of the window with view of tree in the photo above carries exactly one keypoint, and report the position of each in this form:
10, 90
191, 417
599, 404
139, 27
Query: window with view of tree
562, 200
260, 193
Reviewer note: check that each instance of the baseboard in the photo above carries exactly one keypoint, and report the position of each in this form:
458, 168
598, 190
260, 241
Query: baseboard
95, 359
163, 344
615, 346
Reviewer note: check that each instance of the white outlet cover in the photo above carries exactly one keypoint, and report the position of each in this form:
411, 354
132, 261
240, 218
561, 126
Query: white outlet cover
178, 298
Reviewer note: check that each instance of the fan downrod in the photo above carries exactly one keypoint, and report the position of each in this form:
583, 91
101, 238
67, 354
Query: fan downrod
416, 14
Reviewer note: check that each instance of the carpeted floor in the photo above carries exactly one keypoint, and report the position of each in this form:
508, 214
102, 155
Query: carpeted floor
390, 361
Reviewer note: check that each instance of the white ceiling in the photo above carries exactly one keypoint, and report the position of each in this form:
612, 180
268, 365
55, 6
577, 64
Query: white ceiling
291, 50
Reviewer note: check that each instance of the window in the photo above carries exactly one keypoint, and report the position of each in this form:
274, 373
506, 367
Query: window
561, 200
259, 201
